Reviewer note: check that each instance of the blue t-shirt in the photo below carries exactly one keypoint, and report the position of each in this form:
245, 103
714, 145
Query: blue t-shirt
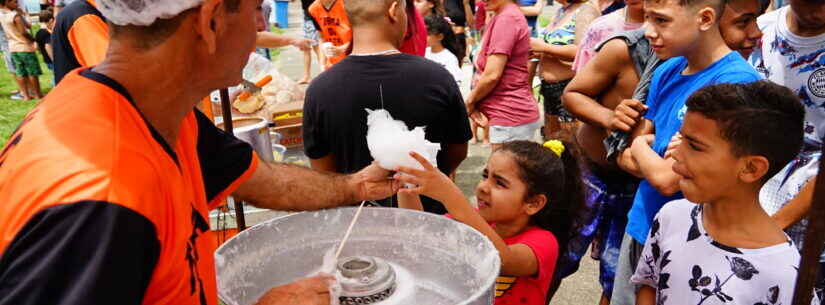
531, 20
669, 90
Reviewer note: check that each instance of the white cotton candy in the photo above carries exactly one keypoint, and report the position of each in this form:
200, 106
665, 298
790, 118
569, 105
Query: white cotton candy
329, 267
390, 142
143, 12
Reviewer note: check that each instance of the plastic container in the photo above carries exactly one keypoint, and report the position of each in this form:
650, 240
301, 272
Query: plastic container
437, 260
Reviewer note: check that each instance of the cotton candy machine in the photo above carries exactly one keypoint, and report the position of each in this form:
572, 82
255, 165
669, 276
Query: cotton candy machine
393, 256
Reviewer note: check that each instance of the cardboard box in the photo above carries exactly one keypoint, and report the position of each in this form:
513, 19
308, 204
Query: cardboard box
293, 135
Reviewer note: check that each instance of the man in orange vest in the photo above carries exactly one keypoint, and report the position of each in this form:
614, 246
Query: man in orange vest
106, 186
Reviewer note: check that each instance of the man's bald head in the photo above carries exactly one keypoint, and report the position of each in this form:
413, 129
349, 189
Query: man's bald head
361, 12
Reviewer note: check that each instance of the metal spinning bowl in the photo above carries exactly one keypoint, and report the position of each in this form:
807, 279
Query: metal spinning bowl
435, 260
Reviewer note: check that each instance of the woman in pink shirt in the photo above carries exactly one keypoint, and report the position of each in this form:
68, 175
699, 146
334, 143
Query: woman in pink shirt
501, 91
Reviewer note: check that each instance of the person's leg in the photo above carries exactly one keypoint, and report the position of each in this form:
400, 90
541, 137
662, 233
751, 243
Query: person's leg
24, 87
473, 131
307, 67
551, 93
624, 292
615, 221
34, 84
10, 66
568, 126
32, 66
486, 140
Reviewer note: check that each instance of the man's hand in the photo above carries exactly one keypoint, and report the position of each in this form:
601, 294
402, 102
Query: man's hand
374, 183
302, 44
627, 115
310, 291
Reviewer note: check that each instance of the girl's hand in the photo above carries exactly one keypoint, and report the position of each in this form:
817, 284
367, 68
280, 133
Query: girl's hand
430, 182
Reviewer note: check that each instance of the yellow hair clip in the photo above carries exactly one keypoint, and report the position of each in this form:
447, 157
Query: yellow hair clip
556, 146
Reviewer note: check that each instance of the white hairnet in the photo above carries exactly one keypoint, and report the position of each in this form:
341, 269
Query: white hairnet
143, 12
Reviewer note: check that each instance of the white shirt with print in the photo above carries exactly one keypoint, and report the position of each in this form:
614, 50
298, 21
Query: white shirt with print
687, 267
795, 62
447, 60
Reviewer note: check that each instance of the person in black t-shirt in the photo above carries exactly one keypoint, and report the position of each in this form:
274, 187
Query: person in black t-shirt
44, 37
415, 90
462, 16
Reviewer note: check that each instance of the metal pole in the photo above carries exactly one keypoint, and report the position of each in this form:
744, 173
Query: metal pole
814, 243
226, 110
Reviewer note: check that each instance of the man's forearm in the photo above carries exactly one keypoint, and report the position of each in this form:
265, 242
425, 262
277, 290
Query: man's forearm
272, 40
288, 187
798, 207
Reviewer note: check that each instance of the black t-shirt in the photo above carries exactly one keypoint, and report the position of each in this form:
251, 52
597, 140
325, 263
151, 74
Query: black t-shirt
455, 10
417, 91
43, 38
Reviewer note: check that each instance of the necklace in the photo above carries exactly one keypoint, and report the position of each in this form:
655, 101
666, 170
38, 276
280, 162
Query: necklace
387, 52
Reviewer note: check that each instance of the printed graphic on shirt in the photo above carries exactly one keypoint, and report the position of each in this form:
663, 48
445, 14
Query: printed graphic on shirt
503, 284
199, 226
797, 63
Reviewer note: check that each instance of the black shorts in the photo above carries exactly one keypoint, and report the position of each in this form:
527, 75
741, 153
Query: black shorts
551, 92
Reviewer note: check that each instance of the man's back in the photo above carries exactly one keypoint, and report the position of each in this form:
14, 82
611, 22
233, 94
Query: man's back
415, 90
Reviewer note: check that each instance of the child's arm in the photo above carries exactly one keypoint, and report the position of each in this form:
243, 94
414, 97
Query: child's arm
20, 24
516, 260
655, 169
646, 296
532, 11
797, 208
597, 76
625, 159
410, 201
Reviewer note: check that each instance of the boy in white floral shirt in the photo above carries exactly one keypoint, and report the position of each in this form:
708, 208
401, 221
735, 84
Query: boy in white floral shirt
719, 246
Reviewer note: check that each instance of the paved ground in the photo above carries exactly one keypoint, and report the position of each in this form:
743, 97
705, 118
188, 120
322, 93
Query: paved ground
580, 289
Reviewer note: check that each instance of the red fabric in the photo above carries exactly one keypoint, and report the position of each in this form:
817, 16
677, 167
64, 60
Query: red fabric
530, 290
481, 15
416, 44
511, 103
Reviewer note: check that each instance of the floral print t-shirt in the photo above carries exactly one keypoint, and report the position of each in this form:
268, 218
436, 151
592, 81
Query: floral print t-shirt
686, 266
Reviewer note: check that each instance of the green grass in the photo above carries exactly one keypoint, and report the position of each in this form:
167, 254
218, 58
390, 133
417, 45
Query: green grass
12, 111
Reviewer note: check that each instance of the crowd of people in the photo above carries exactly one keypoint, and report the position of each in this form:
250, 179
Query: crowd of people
626, 87
680, 142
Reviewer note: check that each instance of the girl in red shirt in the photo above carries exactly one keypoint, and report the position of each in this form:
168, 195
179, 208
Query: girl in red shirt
526, 206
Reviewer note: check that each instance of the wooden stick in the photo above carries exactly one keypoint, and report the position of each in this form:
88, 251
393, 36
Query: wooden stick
814, 244
349, 230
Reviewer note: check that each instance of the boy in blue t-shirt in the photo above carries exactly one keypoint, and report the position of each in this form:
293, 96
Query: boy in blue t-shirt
687, 32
